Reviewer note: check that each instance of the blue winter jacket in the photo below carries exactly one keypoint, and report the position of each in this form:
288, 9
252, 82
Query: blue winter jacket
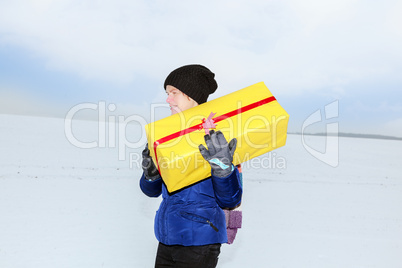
193, 216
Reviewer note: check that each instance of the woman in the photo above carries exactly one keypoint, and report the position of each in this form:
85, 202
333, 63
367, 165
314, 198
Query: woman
190, 223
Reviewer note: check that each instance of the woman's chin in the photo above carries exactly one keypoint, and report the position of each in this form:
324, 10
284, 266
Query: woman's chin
174, 110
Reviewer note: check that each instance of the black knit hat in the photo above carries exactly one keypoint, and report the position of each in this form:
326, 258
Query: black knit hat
196, 81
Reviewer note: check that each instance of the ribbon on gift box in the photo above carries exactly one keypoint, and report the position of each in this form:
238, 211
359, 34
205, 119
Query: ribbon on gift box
204, 123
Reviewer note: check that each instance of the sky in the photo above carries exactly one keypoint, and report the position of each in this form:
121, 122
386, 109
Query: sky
347, 55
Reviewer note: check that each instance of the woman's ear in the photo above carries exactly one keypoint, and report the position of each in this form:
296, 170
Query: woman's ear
190, 99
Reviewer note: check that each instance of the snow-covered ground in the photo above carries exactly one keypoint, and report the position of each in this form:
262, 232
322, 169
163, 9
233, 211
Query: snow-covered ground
62, 206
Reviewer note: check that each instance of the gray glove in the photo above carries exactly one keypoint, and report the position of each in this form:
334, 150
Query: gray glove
219, 153
150, 170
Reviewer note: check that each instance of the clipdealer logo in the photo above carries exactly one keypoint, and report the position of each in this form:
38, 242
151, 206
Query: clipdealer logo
112, 132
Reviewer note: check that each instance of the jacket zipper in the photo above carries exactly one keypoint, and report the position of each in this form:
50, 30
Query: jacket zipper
197, 218
213, 226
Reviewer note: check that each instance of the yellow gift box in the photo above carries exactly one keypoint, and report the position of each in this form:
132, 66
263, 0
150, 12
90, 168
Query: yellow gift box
251, 115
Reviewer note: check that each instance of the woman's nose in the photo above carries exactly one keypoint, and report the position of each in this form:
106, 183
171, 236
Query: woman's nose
169, 99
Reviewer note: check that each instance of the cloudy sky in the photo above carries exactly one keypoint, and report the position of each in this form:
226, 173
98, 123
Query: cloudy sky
57, 54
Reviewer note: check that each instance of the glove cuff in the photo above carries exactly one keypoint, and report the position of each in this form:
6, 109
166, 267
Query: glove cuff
223, 173
152, 178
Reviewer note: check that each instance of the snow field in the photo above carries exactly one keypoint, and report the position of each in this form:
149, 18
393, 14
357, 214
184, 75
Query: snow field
62, 206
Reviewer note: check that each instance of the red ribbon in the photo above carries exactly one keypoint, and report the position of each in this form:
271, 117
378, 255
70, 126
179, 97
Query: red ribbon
215, 120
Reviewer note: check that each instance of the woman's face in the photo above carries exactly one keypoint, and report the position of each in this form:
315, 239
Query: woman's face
178, 101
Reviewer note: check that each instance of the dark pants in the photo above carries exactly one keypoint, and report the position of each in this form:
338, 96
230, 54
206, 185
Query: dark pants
187, 257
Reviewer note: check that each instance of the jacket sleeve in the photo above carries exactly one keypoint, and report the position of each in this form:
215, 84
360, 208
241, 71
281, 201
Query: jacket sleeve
228, 190
151, 188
